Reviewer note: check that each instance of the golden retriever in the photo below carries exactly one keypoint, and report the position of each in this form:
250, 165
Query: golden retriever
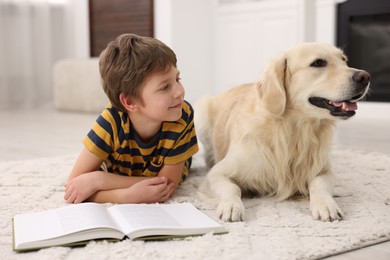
274, 137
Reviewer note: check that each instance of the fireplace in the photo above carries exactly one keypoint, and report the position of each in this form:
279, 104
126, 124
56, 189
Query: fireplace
363, 32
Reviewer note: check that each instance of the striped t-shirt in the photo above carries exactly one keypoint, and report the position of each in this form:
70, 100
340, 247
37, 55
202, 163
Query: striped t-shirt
113, 139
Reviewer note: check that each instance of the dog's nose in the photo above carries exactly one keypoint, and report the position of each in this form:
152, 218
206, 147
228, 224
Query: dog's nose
361, 77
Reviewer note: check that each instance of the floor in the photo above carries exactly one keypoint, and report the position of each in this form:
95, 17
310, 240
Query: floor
26, 134
29, 134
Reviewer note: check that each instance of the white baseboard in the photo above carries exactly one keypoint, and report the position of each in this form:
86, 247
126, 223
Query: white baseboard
373, 110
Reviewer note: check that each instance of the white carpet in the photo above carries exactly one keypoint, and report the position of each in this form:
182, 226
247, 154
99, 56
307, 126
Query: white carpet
272, 230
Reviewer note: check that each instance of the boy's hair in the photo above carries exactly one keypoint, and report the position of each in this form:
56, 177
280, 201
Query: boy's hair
128, 61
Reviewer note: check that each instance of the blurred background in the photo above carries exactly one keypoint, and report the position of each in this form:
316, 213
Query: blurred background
219, 43
49, 80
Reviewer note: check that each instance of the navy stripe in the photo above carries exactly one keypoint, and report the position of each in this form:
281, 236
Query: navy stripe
112, 160
190, 114
185, 116
189, 163
118, 122
183, 148
105, 125
170, 135
179, 150
134, 136
125, 117
99, 142
121, 173
138, 166
124, 164
153, 168
124, 135
193, 141
175, 137
131, 151
189, 130
163, 151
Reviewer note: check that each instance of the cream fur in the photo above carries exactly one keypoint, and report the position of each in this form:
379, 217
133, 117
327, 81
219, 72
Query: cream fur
266, 138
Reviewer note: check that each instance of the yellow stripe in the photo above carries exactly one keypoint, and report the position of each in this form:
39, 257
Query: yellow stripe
133, 144
128, 158
173, 127
103, 134
166, 143
110, 119
187, 138
182, 157
94, 149
186, 108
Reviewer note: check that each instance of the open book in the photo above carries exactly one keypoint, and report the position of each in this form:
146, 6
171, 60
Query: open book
77, 224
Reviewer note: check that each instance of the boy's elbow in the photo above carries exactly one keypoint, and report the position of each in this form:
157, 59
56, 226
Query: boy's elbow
173, 191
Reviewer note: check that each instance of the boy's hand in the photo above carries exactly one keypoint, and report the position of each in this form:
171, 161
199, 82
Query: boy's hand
81, 187
151, 190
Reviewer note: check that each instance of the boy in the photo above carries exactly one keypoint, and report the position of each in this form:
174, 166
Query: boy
140, 147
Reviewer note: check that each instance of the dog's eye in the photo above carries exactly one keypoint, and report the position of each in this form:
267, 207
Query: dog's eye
318, 63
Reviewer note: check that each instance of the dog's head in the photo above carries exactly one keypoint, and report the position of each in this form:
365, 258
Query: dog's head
313, 78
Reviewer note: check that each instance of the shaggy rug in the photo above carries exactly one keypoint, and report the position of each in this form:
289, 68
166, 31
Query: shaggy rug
272, 230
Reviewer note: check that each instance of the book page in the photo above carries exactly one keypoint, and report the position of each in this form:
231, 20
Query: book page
132, 217
59, 222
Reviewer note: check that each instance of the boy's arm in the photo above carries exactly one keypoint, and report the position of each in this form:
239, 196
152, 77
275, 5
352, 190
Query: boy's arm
86, 162
86, 182
143, 189
173, 172
82, 181
149, 190
85, 178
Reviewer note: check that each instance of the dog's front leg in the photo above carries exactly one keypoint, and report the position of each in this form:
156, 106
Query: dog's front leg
230, 206
322, 205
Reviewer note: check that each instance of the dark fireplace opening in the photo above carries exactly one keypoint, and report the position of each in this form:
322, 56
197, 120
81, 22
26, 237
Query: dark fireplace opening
363, 32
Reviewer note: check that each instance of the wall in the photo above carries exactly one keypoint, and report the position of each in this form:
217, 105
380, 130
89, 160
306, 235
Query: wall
70, 30
326, 14
187, 26
197, 32
76, 13
223, 43
250, 33
34, 35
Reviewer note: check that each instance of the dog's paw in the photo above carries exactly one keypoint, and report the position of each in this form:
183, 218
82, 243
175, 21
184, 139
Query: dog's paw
231, 210
325, 209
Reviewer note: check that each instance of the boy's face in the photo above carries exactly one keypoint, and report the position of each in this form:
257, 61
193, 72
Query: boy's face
162, 96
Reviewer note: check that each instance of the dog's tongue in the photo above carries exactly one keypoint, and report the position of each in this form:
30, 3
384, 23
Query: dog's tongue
346, 105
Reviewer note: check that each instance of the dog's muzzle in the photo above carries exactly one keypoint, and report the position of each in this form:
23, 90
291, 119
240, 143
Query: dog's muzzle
347, 107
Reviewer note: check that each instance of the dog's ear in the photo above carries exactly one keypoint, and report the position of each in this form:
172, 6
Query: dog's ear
272, 86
